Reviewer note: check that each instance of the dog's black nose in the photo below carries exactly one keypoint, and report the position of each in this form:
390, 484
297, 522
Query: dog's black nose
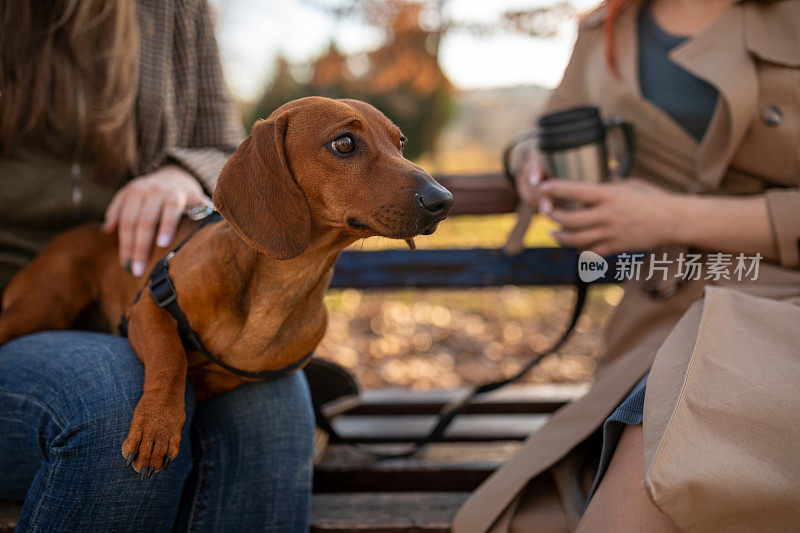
435, 198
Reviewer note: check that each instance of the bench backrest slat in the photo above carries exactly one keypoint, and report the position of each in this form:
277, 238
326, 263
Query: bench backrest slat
480, 194
454, 268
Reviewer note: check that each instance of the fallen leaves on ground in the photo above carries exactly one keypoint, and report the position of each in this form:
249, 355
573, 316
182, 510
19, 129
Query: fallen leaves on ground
426, 339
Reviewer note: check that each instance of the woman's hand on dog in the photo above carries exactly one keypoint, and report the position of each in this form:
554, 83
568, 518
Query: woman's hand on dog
613, 217
148, 209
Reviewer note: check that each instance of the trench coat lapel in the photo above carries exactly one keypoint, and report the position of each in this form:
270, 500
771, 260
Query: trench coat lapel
720, 57
627, 50
623, 95
772, 32
155, 26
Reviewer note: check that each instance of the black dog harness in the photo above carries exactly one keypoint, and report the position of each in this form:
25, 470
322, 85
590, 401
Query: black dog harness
166, 297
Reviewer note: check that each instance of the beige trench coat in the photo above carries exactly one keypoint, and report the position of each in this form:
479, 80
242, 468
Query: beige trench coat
752, 56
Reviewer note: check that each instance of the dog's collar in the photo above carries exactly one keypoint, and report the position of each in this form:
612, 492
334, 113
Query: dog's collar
165, 296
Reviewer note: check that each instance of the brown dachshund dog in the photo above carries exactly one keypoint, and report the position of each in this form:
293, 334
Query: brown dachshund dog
314, 177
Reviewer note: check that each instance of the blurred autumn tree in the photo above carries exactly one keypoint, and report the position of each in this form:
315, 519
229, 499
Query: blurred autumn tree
405, 79
402, 77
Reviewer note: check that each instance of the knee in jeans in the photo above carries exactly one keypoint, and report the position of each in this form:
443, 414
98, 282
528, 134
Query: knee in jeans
78, 376
86, 385
275, 415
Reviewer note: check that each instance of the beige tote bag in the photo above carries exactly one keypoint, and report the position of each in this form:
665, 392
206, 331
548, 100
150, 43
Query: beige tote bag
722, 416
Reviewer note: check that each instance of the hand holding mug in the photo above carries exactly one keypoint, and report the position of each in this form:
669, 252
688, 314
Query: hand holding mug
611, 217
569, 144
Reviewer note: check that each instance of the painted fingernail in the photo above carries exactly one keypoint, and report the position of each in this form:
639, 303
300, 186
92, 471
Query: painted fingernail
127, 265
138, 268
533, 179
163, 240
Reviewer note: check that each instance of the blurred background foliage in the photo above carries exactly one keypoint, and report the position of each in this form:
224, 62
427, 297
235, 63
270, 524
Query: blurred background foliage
402, 77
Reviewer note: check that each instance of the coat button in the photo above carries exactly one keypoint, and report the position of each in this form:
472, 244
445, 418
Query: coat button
771, 114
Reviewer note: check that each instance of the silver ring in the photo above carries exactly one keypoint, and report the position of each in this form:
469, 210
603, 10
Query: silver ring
200, 211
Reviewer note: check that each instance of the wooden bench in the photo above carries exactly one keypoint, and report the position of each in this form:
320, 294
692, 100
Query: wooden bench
422, 493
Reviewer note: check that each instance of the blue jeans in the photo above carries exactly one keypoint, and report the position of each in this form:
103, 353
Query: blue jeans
66, 402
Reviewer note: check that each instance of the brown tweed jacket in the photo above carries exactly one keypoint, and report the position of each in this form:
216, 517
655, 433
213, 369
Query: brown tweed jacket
184, 114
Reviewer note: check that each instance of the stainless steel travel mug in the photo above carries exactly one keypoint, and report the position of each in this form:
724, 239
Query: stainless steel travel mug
572, 145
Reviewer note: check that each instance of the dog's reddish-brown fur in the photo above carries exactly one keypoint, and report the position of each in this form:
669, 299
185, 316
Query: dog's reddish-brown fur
253, 287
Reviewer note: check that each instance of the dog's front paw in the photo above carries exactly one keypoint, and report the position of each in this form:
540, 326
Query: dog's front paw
155, 435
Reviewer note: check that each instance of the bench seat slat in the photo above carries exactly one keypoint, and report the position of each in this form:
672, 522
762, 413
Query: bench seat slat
466, 428
389, 512
542, 399
9, 512
440, 467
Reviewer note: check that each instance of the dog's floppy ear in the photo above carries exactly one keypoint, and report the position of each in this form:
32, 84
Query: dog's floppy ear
258, 196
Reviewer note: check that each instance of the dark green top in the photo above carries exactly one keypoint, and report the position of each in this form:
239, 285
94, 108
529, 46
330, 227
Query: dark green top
686, 98
45, 191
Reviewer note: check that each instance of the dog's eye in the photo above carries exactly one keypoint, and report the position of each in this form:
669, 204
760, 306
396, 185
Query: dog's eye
403, 141
344, 144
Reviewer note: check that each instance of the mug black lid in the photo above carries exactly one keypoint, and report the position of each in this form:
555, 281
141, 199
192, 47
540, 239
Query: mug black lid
569, 115
570, 129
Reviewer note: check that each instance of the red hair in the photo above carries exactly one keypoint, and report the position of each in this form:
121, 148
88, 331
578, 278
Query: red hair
613, 9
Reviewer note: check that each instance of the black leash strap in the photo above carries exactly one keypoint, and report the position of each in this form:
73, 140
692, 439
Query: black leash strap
165, 296
449, 412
